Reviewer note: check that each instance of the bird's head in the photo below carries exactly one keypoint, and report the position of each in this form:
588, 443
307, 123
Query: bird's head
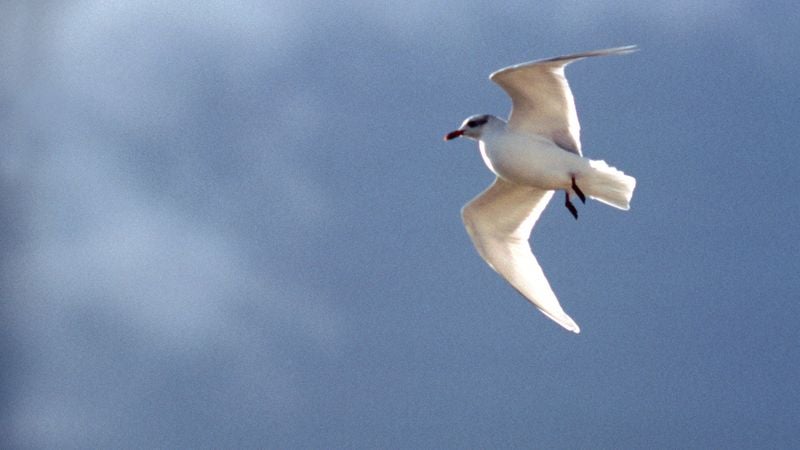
473, 127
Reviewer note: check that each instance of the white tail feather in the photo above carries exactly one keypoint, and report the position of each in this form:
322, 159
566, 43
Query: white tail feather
608, 185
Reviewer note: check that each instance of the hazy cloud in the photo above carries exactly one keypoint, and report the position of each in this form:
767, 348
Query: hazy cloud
232, 224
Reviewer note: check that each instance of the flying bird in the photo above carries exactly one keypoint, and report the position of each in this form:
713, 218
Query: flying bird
534, 154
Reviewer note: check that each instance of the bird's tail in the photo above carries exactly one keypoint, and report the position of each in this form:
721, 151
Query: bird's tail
608, 185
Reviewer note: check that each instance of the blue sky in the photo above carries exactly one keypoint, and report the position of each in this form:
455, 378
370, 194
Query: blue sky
237, 225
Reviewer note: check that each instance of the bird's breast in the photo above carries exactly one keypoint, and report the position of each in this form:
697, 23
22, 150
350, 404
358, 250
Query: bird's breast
529, 160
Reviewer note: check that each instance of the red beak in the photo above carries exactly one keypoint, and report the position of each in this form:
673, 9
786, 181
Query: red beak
453, 134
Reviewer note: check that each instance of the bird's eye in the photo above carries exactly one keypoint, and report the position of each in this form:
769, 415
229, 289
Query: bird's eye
477, 122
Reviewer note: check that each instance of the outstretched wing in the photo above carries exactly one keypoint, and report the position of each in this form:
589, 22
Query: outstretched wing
542, 101
499, 222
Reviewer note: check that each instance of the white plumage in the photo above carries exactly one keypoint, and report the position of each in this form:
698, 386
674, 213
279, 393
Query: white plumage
537, 152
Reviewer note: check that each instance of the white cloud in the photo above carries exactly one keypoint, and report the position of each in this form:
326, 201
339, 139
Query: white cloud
121, 283
111, 272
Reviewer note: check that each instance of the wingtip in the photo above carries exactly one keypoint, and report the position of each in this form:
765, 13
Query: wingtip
622, 50
563, 319
572, 327
625, 49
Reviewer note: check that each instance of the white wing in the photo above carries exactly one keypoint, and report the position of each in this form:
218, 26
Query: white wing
542, 102
499, 221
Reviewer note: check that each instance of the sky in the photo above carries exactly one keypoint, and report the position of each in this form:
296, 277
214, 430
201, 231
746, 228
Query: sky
236, 225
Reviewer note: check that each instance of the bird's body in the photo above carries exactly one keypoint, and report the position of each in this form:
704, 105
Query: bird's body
535, 153
529, 159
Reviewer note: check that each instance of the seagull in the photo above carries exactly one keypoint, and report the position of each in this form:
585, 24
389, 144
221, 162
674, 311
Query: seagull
534, 154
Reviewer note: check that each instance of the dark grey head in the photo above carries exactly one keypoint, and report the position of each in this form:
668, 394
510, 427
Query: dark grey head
474, 126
